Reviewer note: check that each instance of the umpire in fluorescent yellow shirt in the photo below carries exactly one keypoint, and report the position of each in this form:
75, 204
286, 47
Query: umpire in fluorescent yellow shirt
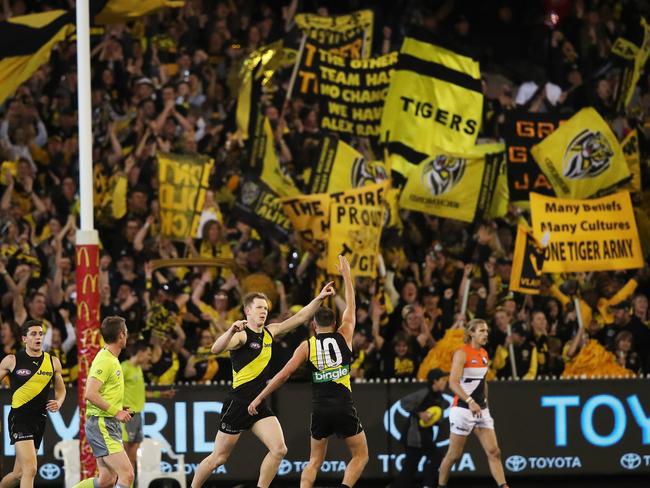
104, 411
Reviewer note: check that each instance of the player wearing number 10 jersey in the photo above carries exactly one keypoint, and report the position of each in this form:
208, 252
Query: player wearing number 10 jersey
329, 355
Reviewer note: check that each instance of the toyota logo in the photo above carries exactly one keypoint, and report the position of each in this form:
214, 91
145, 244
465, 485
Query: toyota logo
516, 463
49, 471
631, 460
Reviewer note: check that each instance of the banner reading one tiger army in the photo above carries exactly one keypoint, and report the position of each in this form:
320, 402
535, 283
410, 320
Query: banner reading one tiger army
522, 130
527, 263
347, 35
350, 92
455, 186
260, 207
183, 181
599, 234
341, 167
582, 158
435, 100
355, 232
630, 146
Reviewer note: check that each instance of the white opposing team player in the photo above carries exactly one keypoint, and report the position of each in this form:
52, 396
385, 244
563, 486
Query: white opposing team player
470, 411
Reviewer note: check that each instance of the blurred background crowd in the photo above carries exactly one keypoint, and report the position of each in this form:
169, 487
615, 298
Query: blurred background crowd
168, 82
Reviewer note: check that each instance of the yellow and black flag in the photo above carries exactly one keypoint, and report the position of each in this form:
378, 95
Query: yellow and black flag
632, 57
582, 158
113, 11
265, 163
26, 43
435, 100
527, 263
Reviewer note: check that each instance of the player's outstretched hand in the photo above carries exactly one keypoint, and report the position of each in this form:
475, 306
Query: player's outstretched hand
252, 408
328, 290
53, 406
123, 416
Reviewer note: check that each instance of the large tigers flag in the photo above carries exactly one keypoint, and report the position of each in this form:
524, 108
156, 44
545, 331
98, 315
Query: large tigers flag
112, 11
26, 42
341, 167
527, 263
582, 158
452, 185
434, 100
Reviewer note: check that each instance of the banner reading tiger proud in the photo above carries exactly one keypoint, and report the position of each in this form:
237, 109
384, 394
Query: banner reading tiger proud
522, 130
587, 235
183, 181
582, 158
630, 146
350, 92
435, 100
527, 263
347, 35
341, 167
355, 232
455, 186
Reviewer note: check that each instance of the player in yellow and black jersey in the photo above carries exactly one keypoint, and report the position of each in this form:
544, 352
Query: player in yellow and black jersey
329, 355
250, 343
31, 372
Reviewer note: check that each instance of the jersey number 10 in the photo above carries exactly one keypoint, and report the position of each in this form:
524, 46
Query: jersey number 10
328, 354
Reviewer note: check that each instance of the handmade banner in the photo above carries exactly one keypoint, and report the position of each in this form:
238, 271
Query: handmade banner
260, 207
183, 181
355, 232
455, 186
522, 130
630, 147
527, 263
582, 158
347, 35
587, 235
350, 92
435, 100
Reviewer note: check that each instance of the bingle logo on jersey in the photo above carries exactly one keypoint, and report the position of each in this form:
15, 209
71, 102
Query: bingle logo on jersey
333, 375
588, 155
442, 172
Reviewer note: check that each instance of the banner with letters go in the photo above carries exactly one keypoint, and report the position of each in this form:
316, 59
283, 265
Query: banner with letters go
545, 428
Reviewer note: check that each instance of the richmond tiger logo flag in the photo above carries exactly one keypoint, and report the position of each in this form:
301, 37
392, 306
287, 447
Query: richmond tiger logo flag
582, 158
435, 100
455, 186
527, 263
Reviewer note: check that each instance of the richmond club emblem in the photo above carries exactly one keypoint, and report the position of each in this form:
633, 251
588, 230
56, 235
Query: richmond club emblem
588, 155
442, 172
364, 173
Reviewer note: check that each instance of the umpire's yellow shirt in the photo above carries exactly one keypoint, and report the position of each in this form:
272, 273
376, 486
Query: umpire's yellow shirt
107, 369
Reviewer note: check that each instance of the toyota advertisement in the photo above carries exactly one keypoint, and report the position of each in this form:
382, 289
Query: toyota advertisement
544, 428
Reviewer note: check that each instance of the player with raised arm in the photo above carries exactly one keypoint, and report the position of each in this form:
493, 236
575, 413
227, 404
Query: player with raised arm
250, 343
329, 355
469, 412
31, 372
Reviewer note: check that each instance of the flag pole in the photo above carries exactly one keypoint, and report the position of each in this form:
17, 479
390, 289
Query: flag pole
87, 239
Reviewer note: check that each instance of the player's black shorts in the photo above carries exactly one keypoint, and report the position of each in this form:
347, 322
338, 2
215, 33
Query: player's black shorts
341, 420
26, 426
235, 417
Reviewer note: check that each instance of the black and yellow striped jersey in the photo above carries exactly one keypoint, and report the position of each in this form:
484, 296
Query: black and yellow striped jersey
164, 371
30, 382
250, 364
329, 362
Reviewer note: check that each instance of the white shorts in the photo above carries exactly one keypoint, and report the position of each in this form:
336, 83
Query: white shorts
462, 422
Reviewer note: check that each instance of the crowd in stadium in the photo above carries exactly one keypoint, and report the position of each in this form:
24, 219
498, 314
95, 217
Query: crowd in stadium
168, 82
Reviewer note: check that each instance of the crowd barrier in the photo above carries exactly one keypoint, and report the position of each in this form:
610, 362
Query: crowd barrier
561, 427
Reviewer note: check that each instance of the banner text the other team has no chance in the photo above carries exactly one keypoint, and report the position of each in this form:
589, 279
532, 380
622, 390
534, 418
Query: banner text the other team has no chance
587, 235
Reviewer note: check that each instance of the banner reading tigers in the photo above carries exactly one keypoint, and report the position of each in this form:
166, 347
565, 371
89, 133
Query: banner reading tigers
435, 100
183, 181
582, 158
522, 130
455, 186
355, 232
341, 167
527, 263
350, 92
587, 235
348, 35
